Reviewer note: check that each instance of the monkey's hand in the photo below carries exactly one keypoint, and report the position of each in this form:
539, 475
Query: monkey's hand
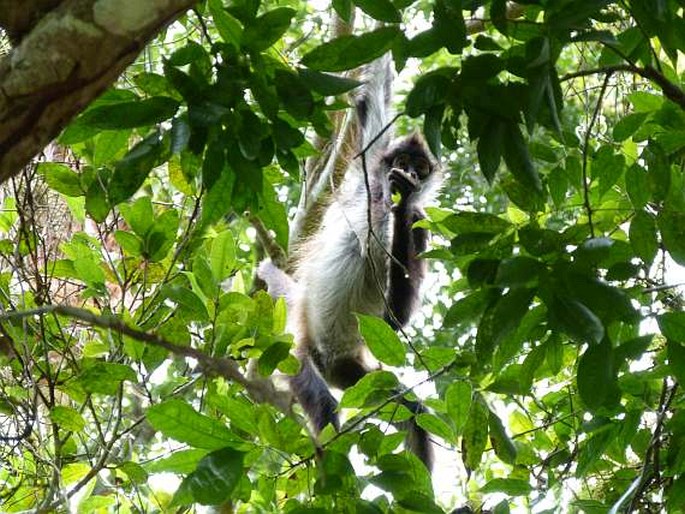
402, 182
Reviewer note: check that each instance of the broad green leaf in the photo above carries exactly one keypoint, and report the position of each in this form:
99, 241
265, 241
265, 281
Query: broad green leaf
517, 158
348, 52
105, 377
672, 227
597, 380
500, 440
178, 420
508, 486
430, 90
343, 8
67, 418
643, 236
61, 178
478, 222
160, 238
490, 147
458, 399
628, 125
518, 271
131, 171
435, 425
110, 145
404, 476
73, 472
134, 471
216, 476
382, 10
285, 135
230, 29
294, 94
139, 215
272, 212
181, 462
672, 325
637, 185
575, 319
475, 434
272, 357
372, 388
267, 28
130, 243
222, 256
382, 340
188, 302
676, 360
327, 84
592, 450
126, 115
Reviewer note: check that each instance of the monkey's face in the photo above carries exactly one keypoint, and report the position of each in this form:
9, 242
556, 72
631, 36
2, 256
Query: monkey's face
407, 172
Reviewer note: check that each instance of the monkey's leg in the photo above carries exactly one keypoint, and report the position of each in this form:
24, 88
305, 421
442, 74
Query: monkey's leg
418, 440
348, 371
313, 394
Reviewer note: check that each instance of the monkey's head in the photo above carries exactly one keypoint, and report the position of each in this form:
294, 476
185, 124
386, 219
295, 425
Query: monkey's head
410, 166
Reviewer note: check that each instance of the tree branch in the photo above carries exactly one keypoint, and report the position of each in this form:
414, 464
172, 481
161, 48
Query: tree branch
262, 391
70, 57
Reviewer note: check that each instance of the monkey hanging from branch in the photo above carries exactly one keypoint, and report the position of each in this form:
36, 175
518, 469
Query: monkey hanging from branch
362, 259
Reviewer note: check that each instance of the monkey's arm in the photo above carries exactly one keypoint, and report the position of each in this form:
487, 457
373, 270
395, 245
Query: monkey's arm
406, 269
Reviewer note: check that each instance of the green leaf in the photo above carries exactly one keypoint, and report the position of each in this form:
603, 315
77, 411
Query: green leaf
637, 185
178, 420
131, 171
672, 226
430, 90
518, 159
126, 115
508, 486
294, 94
61, 178
381, 10
382, 340
518, 271
592, 450
222, 256
676, 359
500, 440
327, 84
134, 471
475, 222
348, 52
643, 236
475, 434
105, 377
271, 357
458, 399
161, 236
272, 212
370, 390
575, 319
435, 425
139, 215
489, 148
672, 325
216, 476
67, 418
188, 302
404, 476
229, 28
628, 125
130, 243
597, 379
181, 462
267, 28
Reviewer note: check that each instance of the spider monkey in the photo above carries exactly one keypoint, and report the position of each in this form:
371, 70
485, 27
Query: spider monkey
344, 269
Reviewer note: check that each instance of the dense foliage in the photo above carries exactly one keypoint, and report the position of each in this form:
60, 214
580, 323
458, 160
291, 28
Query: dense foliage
137, 350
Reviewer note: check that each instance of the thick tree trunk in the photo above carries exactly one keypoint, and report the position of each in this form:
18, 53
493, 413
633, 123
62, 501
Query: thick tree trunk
71, 55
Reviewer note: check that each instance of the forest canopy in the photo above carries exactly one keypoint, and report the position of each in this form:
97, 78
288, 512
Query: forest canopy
154, 153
